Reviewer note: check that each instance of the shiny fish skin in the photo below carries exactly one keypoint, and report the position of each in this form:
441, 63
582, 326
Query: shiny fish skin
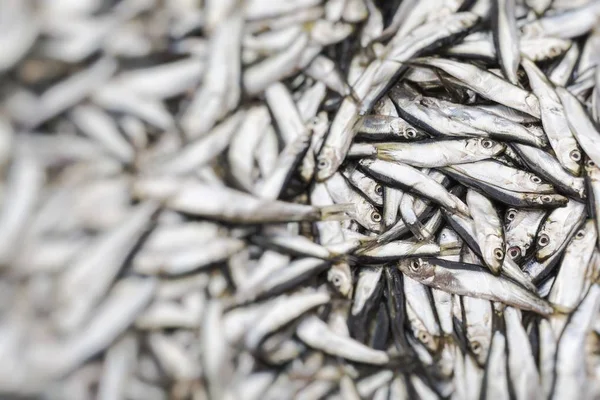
368, 186
582, 127
316, 334
485, 83
503, 176
413, 180
496, 127
506, 39
569, 373
438, 153
535, 48
391, 204
396, 250
183, 198
521, 362
342, 130
307, 199
566, 24
377, 127
461, 280
554, 120
343, 193
520, 230
488, 230
568, 288
548, 168
592, 177
478, 326
558, 227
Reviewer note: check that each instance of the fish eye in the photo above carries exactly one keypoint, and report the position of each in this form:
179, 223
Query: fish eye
414, 265
535, 179
511, 215
487, 144
546, 199
323, 163
514, 252
411, 133
375, 216
575, 155
378, 189
423, 336
590, 163
498, 254
476, 347
580, 234
337, 281
543, 240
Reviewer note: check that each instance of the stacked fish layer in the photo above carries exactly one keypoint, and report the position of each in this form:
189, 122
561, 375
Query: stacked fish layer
342, 199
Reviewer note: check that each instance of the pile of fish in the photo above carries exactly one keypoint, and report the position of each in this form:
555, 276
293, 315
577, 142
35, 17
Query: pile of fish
299, 199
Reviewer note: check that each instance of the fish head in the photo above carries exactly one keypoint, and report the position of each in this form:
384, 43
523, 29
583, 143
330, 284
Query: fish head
417, 268
340, 277
479, 344
587, 233
494, 257
533, 182
592, 170
328, 161
485, 146
547, 200
510, 215
428, 340
368, 216
545, 246
516, 252
411, 133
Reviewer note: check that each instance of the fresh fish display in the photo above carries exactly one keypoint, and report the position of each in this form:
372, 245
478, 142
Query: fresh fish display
300, 199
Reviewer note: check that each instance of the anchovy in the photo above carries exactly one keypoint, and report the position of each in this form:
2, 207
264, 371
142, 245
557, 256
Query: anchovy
558, 227
411, 179
554, 119
212, 201
568, 288
567, 24
391, 203
506, 38
582, 127
437, 153
496, 381
379, 127
522, 368
315, 333
461, 279
482, 82
488, 230
548, 168
396, 250
571, 374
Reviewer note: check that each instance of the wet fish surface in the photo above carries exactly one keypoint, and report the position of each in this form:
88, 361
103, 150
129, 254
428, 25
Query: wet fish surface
300, 199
